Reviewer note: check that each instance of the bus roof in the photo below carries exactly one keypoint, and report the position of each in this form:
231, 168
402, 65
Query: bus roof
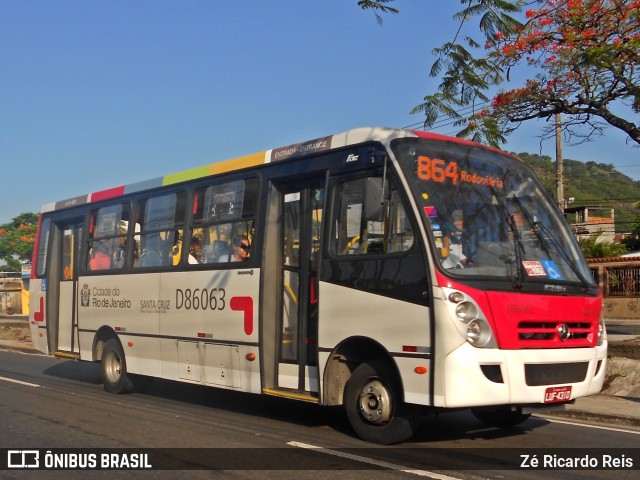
323, 144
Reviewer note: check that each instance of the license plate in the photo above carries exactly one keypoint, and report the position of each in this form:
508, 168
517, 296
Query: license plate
557, 394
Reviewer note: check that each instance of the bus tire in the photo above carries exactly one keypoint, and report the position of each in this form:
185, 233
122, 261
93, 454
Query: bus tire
373, 405
501, 417
114, 368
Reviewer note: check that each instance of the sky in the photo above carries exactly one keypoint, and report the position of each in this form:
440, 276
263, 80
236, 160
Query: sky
96, 94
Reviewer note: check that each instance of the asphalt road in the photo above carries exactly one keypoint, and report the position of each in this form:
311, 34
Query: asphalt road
631, 329
48, 404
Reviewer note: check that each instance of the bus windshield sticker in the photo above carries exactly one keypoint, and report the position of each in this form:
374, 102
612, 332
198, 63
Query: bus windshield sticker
430, 212
553, 272
534, 268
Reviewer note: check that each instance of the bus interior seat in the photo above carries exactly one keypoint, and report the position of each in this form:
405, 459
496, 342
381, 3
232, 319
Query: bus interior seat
152, 252
219, 248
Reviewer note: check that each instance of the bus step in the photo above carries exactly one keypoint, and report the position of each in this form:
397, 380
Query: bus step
67, 355
289, 394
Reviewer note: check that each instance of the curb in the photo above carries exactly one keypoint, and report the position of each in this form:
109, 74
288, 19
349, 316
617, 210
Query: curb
604, 418
18, 347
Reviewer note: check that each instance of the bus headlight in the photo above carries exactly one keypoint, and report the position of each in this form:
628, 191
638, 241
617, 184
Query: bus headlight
466, 311
602, 332
472, 323
478, 333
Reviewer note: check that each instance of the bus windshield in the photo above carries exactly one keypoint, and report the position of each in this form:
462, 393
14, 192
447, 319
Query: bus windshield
489, 216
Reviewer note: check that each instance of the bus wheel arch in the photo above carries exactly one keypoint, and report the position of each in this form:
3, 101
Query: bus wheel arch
343, 361
102, 336
362, 376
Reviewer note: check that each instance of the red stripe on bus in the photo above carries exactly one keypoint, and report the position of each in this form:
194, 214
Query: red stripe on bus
106, 194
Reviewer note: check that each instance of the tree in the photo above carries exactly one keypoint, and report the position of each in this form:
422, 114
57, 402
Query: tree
591, 248
632, 242
580, 58
377, 5
17, 239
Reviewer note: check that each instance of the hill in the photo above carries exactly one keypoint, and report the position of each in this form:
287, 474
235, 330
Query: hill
592, 184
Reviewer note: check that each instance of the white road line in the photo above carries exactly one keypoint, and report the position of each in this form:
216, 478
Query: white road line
19, 382
597, 427
371, 461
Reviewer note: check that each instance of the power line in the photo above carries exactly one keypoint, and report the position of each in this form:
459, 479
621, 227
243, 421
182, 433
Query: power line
444, 120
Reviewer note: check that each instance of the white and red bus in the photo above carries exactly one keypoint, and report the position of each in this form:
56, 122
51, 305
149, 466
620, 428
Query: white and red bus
393, 272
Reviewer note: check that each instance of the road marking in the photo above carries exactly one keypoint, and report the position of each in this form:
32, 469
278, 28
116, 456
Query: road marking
597, 427
19, 382
371, 461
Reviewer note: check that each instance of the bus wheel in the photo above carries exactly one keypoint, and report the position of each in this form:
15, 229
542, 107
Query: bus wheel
374, 408
500, 417
114, 369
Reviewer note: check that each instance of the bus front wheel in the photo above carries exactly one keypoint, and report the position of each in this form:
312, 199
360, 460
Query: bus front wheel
373, 405
114, 369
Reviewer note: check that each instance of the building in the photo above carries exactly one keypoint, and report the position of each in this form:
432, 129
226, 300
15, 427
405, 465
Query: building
619, 280
10, 293
586, 221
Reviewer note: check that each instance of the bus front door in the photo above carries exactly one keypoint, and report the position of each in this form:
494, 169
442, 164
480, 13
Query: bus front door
62, 289
299, 207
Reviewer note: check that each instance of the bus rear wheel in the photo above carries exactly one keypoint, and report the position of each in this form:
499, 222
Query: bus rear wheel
500, 417
114, 368
374, 407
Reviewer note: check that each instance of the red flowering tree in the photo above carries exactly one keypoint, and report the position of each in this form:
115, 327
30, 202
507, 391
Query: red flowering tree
16, 241
579, 58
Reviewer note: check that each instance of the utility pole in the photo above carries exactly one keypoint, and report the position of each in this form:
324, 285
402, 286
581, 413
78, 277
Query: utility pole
559, 166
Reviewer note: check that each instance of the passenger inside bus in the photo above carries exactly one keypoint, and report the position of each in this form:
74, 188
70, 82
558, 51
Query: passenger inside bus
195, 251
452, 240
240, 250
100, 256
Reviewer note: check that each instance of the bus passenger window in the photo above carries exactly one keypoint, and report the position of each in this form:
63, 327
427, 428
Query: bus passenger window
223, 221
160, 239
108, 228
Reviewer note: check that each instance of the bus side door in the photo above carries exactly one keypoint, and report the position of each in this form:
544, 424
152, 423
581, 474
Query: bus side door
62, 287
293, 244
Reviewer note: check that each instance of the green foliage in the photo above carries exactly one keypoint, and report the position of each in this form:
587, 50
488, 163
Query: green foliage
377, 6
16, 240
594, 249
579, 58
632, 242
592, 184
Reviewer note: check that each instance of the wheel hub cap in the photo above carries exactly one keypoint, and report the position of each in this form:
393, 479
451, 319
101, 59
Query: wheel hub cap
375, 403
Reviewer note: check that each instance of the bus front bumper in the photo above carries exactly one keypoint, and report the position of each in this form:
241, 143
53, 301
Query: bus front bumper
477, 377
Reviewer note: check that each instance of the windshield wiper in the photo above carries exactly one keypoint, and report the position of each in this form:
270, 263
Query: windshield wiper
543, 233
583, 280
518, 278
